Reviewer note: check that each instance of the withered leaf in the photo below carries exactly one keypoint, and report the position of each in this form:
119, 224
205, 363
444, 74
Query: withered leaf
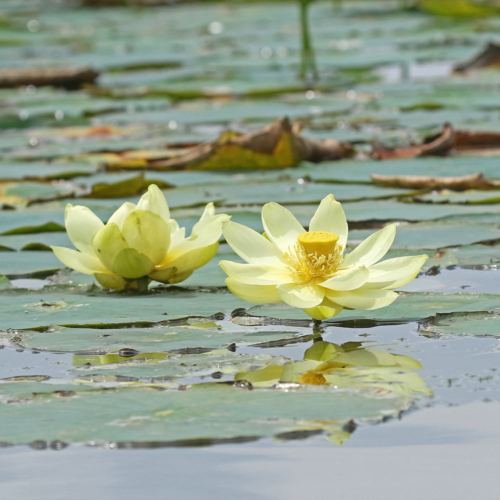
275, 146
473, 181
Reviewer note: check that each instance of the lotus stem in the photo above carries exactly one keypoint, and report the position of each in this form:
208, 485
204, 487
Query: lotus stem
308, 62
142, 284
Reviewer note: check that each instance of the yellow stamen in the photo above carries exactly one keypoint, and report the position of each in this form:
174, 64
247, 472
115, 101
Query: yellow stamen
315, 255
319, 242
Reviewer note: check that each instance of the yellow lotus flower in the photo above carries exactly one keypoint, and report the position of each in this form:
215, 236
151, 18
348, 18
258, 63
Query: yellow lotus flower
139, 243
310, 270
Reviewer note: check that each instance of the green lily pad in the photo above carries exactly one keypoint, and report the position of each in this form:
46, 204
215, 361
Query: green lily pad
408, 307
205, 413
193, 333
480, 323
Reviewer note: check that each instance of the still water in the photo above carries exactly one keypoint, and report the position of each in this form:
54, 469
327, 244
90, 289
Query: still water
446, 446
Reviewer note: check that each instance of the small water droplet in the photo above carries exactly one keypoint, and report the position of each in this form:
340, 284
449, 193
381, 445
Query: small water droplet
33, 25
215, 28
266, 52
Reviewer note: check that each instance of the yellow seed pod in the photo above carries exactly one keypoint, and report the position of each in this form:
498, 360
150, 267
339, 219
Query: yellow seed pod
321, 242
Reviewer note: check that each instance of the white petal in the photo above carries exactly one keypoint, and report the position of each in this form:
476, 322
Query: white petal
372, 249
252, 246
82, 225
330, 217
281, 227
301, 295
209, 210
121, 214
364, 299
79, 261
394, 273
350, 280
155, 202
260, 294
253, 274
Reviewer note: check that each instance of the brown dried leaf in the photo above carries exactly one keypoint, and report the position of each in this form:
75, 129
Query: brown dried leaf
70, 78
489, 57
436, 145
474, 181
273, 147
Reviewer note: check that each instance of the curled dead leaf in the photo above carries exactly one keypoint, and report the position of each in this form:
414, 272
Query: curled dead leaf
488, 58
474, 181
275, 146
436, 145
448, 141
70, 78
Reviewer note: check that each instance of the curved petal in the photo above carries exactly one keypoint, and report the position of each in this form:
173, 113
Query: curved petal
363, 298
209, 211
253, 274
303, 296
281, 226
394, 273
121, 214
190, 260
162, 275
208, 229
178, 278
177, 234
82, 225
154, 201
79, 261
350, 280
110, 281
372, 249
321, 313
129, 263
260, 294
330, 217
108, 243
252, 246
147, 233
206, 232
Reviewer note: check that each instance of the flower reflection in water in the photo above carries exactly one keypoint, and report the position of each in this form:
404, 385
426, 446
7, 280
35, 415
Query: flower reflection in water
346, 367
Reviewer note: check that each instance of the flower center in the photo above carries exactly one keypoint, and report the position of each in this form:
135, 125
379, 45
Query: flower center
319, 242
315, 255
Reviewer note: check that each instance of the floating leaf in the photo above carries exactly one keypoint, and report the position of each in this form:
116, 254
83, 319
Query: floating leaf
48, 227
203, 414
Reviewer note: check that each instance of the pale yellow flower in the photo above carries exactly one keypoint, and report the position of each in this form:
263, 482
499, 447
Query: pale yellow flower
139, 243
310, 270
